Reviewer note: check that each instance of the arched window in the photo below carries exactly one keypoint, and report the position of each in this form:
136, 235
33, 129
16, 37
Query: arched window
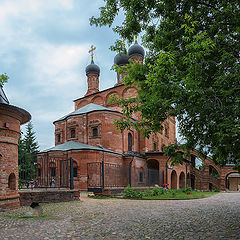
166, 130
95, 132
12, 181
58, 138
154, 147
129, 142
73, 133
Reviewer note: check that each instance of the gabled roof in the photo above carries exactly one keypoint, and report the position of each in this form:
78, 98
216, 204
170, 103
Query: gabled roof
3, 97
86, 109
72, 145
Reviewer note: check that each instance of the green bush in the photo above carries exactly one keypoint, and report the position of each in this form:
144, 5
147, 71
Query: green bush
154, 192
158, 191
173, 193
148, 193
187, 189
129, 192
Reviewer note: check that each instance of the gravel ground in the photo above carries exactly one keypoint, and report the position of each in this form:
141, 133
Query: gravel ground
217, 217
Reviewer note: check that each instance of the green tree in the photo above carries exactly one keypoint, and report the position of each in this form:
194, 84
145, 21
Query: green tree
27, 149
3, 78
191, 71
29, 142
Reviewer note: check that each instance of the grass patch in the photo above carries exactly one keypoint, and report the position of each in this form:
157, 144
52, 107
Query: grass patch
24, 217
193, 195
160, 193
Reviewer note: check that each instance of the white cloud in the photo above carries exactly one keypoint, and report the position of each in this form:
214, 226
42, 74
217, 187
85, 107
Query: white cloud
44, 50
56, 68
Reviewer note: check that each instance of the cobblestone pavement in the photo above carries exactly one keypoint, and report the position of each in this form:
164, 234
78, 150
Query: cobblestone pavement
217, 217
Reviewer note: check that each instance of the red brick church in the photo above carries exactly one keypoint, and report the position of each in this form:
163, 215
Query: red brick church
88, 136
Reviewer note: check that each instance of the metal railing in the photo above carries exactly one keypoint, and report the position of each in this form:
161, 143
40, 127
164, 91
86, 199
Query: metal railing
41, 171
108, 175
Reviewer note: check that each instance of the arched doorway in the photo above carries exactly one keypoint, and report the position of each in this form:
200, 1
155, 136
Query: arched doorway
173, 180
233, 181
153, 172
182, 180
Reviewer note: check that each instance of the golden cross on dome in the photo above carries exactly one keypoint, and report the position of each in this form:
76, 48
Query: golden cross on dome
91, 51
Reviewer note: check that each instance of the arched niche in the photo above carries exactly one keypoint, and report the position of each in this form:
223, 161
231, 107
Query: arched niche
12, 181
129, 92
182, 180
98, 100
108, 98
173, 180
82, 104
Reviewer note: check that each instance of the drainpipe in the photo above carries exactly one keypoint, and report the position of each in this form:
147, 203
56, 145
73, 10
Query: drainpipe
130, 172
166, 173
186, 175
167, 170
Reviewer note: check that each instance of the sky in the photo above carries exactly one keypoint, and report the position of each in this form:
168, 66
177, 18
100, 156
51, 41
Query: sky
44, 50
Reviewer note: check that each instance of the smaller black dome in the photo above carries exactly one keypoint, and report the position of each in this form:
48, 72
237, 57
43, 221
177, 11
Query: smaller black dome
121, 59
136, 49
92, 68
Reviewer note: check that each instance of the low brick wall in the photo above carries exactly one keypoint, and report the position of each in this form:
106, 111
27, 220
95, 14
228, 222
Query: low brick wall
47, 196
9, 203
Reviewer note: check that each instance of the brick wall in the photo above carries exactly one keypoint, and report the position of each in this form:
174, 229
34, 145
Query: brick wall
10, 119
9, 134
47, 196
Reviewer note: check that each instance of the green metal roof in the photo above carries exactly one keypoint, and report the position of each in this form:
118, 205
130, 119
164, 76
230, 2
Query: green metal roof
86, 109
72, 145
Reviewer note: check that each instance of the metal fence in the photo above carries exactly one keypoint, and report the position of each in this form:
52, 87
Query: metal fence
108, 175
40, 171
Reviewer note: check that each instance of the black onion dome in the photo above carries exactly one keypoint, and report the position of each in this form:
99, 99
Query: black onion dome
92, 68
136, 49
121, 59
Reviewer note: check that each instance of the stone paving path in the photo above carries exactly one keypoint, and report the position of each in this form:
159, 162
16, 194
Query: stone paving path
217, 217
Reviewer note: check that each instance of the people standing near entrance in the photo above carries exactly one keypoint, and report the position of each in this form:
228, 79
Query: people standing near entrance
165, 186
53, 183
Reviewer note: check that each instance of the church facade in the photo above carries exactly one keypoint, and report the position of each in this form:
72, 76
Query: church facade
89, 137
